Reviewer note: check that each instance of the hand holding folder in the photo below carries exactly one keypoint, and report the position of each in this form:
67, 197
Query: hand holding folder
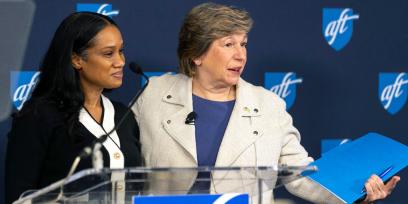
376, 189
381, 175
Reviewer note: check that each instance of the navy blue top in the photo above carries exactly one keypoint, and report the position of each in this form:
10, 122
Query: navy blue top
210, 124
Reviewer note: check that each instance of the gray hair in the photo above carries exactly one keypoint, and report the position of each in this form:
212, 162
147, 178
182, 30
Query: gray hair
204, 24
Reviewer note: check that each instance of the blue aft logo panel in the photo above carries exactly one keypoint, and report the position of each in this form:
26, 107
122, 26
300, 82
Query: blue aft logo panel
392, 91
283, 84
22, 83
104, 9
337, 26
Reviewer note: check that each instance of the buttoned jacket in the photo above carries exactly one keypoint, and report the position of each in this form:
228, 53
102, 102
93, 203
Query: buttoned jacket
259, 132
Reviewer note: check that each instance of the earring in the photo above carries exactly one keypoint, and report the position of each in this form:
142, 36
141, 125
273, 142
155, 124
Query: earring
197, 62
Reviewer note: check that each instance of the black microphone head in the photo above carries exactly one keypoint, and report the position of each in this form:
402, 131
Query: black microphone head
135, 68
191, 117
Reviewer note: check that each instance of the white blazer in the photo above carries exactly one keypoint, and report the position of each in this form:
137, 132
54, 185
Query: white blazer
259, 132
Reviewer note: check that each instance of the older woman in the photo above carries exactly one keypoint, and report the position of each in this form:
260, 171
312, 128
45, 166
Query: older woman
208, 116
67, 110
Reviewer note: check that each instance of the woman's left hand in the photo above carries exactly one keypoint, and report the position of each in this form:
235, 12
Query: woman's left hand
377, 190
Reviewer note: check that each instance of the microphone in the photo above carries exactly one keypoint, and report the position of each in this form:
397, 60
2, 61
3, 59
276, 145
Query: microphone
94, 148
191, 117
135, 68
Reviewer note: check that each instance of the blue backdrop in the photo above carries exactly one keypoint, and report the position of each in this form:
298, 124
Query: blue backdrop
340, 65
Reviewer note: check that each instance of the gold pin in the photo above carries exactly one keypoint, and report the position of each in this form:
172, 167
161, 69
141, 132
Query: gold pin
116, 155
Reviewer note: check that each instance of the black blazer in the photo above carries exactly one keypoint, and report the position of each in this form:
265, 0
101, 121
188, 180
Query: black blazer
40, 151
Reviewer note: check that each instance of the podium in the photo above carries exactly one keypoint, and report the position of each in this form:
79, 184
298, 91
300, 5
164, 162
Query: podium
123, 185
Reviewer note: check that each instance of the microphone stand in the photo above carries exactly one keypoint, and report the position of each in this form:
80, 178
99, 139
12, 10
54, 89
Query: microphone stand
94, 148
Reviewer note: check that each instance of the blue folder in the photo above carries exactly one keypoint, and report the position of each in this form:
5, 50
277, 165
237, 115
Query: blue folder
344, 170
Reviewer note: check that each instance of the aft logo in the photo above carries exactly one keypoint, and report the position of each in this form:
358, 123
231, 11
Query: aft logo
22, 84
337, 26
104, 9
393, 91
283, 84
